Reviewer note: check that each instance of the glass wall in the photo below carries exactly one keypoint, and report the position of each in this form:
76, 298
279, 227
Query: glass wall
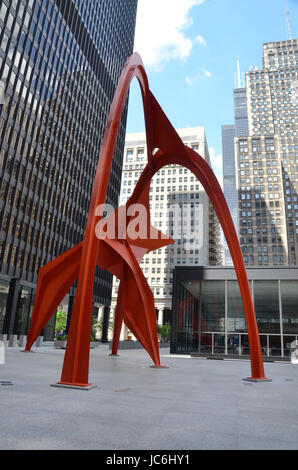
211, 319
289, 293
212, 306
4, 286
266, 301
201, 309
24, 312
236, 318
188, 327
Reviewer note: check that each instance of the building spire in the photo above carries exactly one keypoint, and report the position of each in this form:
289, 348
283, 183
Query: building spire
239, 84
289, 32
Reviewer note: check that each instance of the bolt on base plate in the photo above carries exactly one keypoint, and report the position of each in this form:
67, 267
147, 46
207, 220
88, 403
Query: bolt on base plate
159, 367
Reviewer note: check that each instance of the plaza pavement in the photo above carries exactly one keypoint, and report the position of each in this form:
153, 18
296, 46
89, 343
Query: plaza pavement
194, 404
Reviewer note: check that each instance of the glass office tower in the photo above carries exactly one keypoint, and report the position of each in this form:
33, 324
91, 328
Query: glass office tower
60, 61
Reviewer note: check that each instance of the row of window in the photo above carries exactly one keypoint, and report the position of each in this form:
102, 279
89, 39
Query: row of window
47, 72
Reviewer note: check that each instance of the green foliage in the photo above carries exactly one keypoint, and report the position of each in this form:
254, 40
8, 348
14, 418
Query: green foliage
93, 339
61, 319
62, 338
164, 333
98, 326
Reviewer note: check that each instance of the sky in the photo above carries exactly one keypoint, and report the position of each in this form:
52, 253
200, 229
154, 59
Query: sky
190, 49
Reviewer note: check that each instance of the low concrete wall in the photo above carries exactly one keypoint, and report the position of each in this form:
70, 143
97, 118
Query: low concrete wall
13, 341
61, 344
222, 357
136, 345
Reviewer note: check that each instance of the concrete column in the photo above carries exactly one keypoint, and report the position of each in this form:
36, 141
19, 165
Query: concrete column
69, 311
123, 332
13, 340
3, 339
105, 327
22, 341
100, 312
112, 318
2, 352
38, 342
160, 316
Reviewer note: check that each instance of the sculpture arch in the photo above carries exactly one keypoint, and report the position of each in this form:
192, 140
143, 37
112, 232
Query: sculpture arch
121, 257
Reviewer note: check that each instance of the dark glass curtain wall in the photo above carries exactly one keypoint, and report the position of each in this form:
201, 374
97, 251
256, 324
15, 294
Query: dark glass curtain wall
210, 317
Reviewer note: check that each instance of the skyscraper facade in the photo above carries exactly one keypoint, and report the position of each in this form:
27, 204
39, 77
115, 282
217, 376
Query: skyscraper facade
267, 160
229, 178
60, 61
240, 112
194, 227
229, 132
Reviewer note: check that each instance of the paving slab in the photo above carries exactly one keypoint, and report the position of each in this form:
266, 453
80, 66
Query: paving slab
194, 404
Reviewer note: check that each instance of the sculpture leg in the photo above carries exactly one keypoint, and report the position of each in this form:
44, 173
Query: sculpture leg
76, 360
75, 370
211, 185
54, 281
138, 303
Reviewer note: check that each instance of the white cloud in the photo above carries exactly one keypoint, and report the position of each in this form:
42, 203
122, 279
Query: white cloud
216, 164
192, 80
201, 40
161, 31
203, 73
207, 73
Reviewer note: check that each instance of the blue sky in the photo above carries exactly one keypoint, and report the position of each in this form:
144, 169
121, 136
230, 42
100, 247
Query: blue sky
190, 48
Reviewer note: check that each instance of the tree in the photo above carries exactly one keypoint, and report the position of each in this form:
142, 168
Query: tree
61, 319
164, 333
97, 326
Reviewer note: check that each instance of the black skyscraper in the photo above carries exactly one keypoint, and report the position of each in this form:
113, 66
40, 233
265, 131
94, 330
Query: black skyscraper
60, 62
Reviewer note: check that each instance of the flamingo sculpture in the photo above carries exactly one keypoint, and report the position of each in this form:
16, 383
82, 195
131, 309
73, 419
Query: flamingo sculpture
122, 253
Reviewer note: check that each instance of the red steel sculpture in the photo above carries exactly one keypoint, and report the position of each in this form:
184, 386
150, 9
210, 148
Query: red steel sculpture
122, 253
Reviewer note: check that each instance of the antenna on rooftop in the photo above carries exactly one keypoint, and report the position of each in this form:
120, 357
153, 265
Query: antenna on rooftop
238, 74
289, 32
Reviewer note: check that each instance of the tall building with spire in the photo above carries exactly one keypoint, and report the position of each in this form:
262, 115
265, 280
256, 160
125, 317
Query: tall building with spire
240, 106
289, 31
229, 132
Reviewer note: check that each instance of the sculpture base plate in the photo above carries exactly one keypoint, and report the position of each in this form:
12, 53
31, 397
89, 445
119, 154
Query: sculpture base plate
114, 355
73, 386
159, 367
250, 379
